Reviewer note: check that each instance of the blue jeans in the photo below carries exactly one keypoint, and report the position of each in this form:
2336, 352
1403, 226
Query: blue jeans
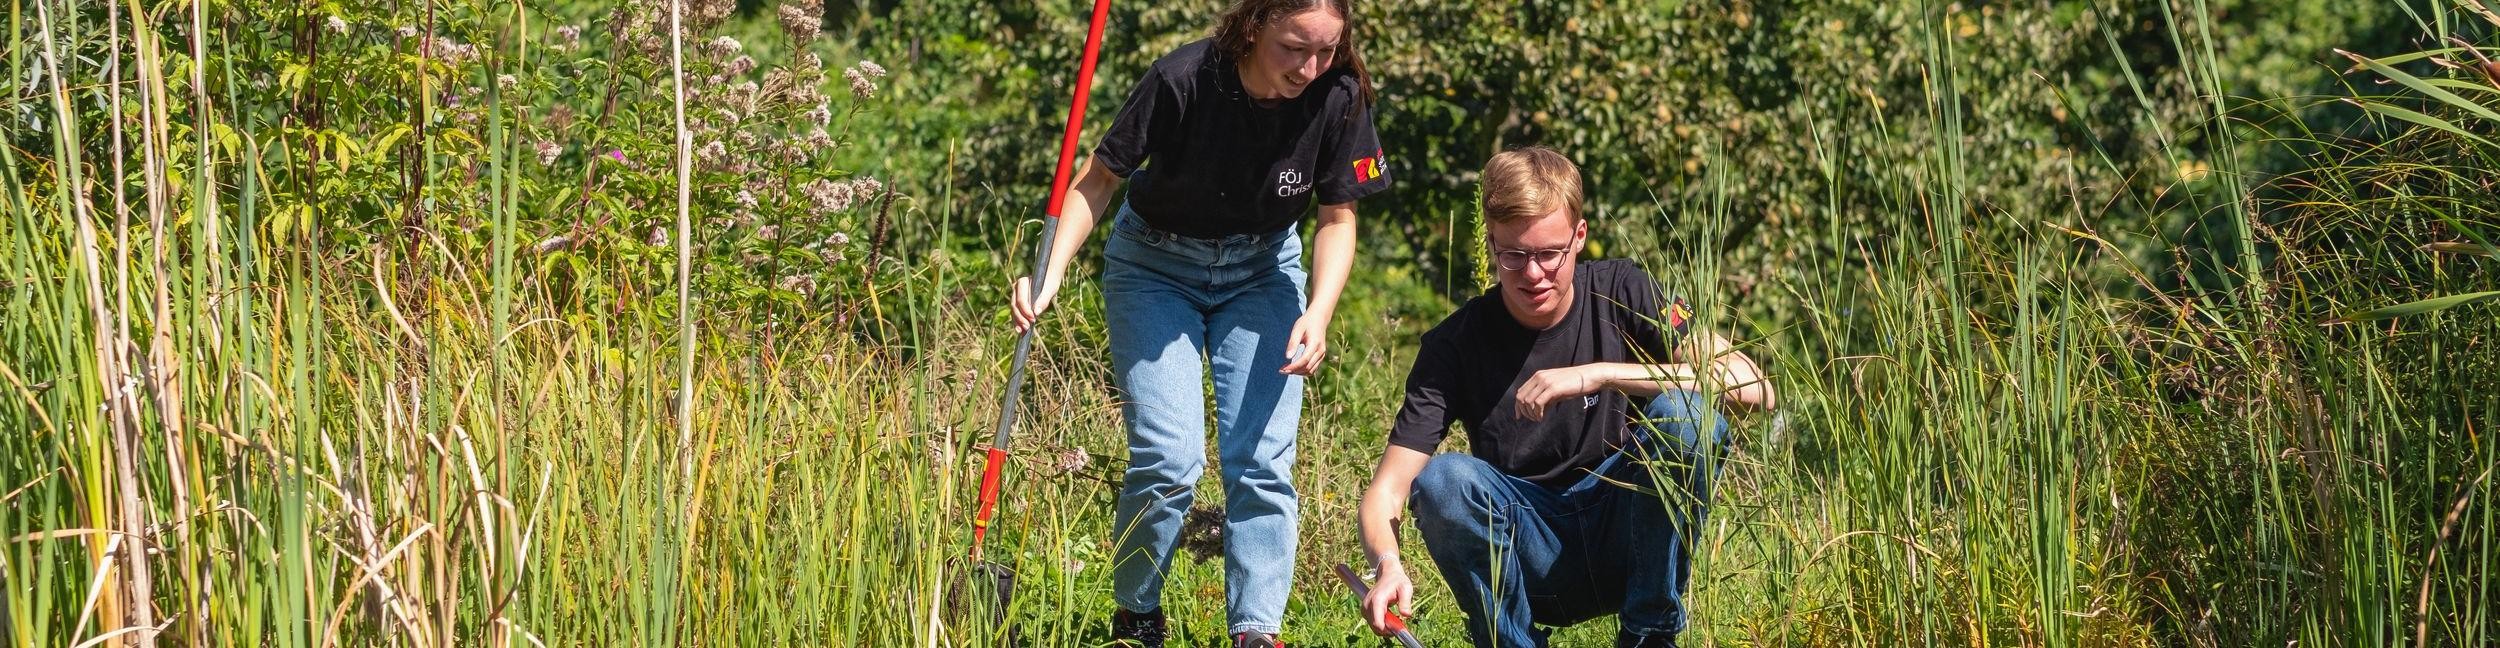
1519, 556
1176, 308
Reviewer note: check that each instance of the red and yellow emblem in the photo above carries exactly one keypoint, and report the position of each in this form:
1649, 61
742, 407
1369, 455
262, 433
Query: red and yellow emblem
1370, 168
1678, 315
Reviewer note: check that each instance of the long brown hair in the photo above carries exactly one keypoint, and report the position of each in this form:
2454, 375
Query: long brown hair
1248, 18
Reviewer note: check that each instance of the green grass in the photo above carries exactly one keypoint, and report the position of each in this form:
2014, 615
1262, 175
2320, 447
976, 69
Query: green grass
324, 428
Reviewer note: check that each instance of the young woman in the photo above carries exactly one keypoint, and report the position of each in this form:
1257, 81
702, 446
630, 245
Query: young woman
1224, 145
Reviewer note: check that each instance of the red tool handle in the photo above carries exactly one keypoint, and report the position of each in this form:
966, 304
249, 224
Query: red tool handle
1397, 626
989, 499
1076, 110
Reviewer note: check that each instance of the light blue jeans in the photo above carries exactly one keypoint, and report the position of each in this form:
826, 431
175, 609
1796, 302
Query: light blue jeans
1176, 308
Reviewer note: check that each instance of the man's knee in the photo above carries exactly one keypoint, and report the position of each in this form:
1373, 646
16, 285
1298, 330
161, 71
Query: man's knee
1677, 418
1452, 487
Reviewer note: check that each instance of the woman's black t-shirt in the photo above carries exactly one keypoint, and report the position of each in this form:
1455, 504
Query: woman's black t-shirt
1204, 160
1471, 366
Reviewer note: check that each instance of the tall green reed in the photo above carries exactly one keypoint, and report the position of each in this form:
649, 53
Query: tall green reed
309, 441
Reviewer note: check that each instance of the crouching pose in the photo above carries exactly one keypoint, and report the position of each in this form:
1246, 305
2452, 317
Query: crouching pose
1590, 443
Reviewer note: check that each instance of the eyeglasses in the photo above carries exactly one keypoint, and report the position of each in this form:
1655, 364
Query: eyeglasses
1548, 260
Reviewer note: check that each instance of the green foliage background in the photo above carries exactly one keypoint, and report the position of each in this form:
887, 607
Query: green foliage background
2097, 322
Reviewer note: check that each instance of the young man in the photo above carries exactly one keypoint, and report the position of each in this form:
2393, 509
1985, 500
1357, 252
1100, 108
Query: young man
1580, 390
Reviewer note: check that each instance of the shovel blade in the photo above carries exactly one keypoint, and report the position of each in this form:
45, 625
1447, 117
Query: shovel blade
978, 604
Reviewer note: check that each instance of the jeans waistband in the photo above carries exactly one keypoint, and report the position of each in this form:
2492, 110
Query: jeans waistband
1128, 222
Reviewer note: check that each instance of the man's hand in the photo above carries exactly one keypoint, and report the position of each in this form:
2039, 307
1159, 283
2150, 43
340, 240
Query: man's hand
1392, 589
1542, 389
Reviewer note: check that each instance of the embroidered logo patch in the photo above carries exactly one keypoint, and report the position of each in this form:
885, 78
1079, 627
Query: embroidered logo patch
1677, 315
1370, 168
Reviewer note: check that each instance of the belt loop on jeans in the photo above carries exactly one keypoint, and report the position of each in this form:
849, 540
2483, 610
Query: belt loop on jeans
1145, 231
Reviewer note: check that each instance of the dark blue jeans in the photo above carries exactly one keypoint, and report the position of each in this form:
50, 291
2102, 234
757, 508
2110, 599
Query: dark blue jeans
1522, 557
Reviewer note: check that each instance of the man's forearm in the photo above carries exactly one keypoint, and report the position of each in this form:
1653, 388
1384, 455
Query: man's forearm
1736, 378
1648, 379
1380, 535
1385, 500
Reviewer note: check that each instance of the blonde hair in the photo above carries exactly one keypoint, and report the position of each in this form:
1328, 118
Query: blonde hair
1529, 182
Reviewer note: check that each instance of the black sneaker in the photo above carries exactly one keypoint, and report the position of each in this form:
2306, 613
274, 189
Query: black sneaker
1137, 629
1256, 639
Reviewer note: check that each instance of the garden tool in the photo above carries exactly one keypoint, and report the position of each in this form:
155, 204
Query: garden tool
1397, 626
989, 585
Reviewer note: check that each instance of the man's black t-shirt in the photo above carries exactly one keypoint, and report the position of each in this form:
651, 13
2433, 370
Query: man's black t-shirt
1472, 364
1204, 160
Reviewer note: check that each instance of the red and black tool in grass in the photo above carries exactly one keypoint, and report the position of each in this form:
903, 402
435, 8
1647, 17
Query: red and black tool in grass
1397, 626
997, 578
